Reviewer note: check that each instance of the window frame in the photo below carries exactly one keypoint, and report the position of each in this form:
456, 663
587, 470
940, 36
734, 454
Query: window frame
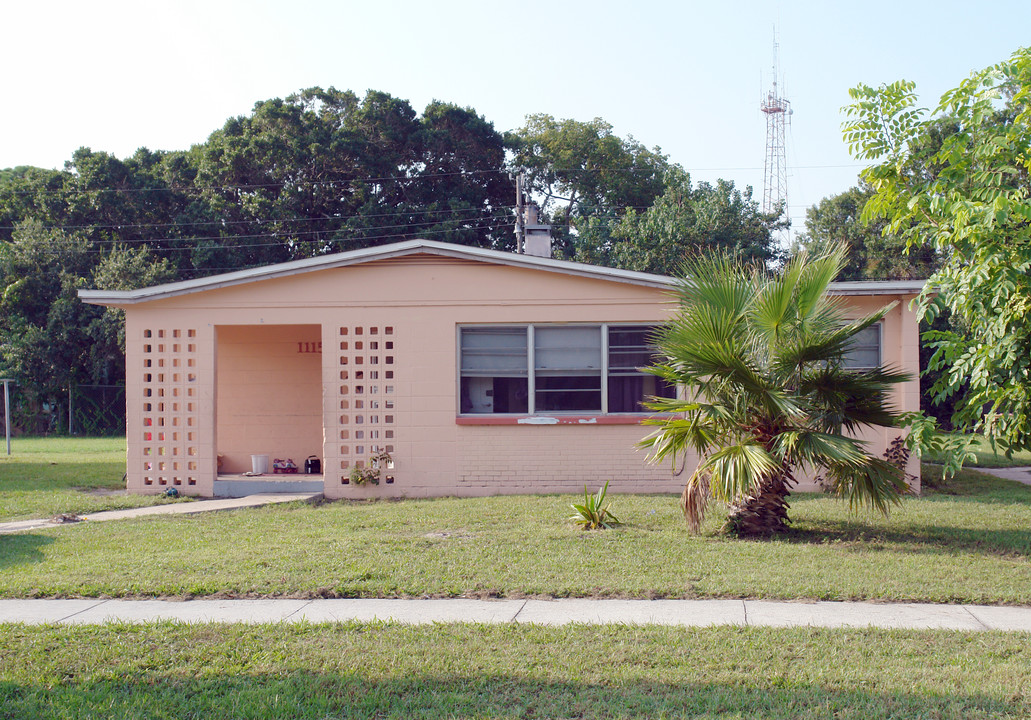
879, 327
530, 330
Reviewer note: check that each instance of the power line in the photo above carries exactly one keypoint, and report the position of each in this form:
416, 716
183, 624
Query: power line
345, 181
281, 237
221, 222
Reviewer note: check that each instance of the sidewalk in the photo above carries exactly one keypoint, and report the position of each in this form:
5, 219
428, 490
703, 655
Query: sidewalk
179, 508
685, 613
1020, 474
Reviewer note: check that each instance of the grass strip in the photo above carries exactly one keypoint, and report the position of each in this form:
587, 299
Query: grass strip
986, 457
44, 477
968, 544
463, 671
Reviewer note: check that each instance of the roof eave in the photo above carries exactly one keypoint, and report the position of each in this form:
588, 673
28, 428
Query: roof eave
877, 287
119, 298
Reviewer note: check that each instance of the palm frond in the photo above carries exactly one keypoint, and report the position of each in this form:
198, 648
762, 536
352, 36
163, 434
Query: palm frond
701, 426
737, 469
829, 345
815, 276
873, 483
813, 448
694, 500
843, 400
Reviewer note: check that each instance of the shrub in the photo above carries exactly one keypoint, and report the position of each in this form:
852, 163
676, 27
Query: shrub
594, 514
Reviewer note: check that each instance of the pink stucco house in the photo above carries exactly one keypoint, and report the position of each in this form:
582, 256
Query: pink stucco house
480, 372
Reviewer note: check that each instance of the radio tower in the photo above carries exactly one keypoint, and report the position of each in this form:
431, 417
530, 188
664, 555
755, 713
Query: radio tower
775, 171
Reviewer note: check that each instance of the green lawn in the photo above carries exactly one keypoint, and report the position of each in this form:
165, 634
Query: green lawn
463, 671
970, 543
44, 477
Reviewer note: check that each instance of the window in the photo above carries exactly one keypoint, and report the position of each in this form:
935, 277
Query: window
864, 353
567, 368
575, 368
630, 349
494, 370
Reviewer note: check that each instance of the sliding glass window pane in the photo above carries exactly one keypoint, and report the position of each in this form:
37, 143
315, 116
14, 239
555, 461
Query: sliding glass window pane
494, 370
494, 351
630, 349
567, 368
489, 395
564, 350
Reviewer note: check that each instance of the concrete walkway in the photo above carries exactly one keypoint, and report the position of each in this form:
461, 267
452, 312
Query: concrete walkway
179, 508
1020, 474
685, 613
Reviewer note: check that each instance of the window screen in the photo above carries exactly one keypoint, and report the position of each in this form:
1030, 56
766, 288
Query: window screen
630, 349
865, 351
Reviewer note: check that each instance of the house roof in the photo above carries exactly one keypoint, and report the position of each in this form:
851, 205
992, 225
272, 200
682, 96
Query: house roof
431, 247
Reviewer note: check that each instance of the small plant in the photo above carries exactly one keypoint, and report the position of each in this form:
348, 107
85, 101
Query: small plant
369, 474
594, 514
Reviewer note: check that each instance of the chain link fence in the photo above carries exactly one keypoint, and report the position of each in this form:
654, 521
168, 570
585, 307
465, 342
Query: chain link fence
96, 410
91, 410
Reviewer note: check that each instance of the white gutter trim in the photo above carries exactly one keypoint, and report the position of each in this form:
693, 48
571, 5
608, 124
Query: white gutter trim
877, 287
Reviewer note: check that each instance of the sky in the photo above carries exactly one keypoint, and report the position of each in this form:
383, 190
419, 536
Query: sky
686, 76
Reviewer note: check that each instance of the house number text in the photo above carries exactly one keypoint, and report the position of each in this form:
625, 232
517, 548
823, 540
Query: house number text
309, 347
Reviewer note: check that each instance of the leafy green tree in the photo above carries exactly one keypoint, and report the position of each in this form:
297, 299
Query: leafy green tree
583, 173
49, 340
30, 193
760, 359
872, 255
971, 199
145, 200
683, 221
42, 322
322, 171
460, 191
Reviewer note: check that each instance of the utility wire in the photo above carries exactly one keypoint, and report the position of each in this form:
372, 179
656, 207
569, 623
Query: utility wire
223, 223
346, 181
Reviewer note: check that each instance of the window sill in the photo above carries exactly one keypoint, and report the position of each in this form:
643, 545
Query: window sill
485, 419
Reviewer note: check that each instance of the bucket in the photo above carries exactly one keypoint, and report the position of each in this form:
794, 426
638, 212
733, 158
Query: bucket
259, 464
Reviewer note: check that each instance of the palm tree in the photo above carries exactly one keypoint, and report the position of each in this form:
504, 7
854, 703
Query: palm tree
758, 356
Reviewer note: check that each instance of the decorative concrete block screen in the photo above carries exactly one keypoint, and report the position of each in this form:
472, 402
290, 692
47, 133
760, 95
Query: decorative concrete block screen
366, 398
170, 404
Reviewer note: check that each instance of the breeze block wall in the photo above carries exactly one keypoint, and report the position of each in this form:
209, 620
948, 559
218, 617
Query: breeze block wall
169, 404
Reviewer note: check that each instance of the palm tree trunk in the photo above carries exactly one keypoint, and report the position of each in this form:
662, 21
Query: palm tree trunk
766, 512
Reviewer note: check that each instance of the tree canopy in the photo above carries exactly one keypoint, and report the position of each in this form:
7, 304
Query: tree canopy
971, 199
682, 222
872, 254
583, 174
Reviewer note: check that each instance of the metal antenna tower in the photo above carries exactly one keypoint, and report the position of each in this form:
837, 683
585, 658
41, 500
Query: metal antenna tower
775, 169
